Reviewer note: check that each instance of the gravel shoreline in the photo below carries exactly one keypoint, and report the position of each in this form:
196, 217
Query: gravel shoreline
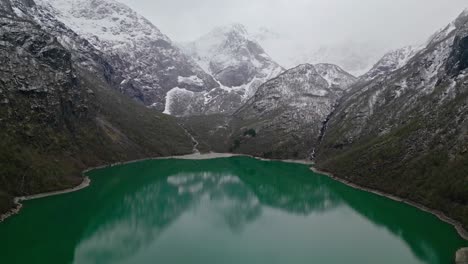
18, 205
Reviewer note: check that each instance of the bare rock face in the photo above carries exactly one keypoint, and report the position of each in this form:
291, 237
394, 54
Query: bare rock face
285, 117
461, 256
335, 76
37, 78
5, 6
391, 62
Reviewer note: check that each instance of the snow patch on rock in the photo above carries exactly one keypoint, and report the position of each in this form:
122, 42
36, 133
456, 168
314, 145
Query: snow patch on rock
174, 94
191, 80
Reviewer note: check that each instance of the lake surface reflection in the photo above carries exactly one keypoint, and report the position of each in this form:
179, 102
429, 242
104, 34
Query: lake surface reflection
232, 210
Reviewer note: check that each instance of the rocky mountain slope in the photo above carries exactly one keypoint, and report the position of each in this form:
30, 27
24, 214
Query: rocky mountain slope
236, 61
391, 62
285, 116
148, 63
59, 116
405, 132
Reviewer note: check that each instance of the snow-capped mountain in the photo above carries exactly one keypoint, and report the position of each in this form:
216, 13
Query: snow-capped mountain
335, 76
234, 58
392, 61
149, 63
287, 112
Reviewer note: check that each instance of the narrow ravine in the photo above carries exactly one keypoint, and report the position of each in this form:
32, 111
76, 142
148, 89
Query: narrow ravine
323, 130
195, 142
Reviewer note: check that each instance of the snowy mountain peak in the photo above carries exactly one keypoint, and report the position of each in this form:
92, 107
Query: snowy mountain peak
104, 20
233, 28
234, 59
459, 23
462, 19
335, 75
230, 33
324, 75
309, 68
465, 12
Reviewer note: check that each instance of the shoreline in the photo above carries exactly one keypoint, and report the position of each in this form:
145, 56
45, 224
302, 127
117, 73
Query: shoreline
198, 156
440, 215
17, 200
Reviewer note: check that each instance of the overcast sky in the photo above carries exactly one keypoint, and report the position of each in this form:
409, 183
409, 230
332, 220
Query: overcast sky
320, 21
386, 24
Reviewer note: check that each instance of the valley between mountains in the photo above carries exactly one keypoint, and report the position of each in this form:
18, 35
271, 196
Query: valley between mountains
85, 83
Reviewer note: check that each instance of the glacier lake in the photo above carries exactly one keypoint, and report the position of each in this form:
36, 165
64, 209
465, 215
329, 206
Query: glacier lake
226, 210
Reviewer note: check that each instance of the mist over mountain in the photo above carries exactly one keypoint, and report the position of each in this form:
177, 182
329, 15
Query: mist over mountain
354, 56
307, 26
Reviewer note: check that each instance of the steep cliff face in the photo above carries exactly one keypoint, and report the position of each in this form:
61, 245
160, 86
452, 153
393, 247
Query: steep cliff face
335, 76
391, 62
148, 63
405, 131
5, 6
83, 53
58, 116
285, 117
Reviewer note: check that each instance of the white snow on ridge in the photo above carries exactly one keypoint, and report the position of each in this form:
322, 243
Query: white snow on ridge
109, 20
465, 12
443, 32
393, 61
334, 75
191, 80
17, 11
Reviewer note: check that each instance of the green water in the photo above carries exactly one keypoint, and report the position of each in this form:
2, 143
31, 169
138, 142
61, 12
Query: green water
234, 210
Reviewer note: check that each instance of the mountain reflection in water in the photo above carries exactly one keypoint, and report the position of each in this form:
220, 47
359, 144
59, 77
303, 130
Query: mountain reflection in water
225, 210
